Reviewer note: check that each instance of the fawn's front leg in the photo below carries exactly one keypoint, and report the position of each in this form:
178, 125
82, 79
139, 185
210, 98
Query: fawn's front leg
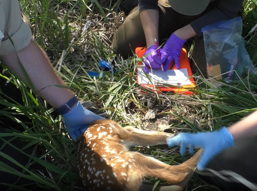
133, 136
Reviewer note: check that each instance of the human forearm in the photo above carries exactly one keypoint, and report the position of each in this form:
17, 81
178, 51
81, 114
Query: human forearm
150, 21
40, 72
185, 32
245, 128
224, 10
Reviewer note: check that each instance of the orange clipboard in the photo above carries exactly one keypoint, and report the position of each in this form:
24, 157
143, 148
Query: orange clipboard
184, 63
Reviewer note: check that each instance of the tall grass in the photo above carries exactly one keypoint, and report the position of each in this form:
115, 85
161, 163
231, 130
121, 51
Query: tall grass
58, 27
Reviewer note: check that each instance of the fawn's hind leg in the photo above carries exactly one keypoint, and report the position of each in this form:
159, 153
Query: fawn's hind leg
174, 174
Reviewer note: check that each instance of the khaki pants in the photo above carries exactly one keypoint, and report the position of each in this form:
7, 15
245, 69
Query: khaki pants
131, 35
12, 27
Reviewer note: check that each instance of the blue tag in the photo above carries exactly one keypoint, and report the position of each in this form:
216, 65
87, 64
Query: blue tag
104, 65
94, 74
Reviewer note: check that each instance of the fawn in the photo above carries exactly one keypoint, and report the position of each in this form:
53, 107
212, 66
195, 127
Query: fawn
105, 163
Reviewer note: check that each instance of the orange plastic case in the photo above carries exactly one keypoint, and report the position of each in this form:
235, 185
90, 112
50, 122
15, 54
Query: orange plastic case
184, 63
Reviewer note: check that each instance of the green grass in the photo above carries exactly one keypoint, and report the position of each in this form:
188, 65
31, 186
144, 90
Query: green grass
58, 27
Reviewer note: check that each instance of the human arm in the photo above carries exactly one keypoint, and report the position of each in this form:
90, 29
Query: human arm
245, 128
224, 10
215, 142
185, 32
46, 82
149, 16
150, 20
48, 85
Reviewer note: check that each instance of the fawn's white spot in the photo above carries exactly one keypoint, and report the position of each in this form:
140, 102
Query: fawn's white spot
124, 165
123, 174
102, 134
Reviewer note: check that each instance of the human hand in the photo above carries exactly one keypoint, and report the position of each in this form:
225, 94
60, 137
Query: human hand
78, 119
152, 59
171, 51
212, 143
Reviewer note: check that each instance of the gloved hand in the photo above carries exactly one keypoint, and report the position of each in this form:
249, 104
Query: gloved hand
152, 58
171, 51
78, 119
212, 143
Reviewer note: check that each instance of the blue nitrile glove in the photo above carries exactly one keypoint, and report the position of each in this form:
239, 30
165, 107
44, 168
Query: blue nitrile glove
152, 58
211, 142
78, 119
171, 51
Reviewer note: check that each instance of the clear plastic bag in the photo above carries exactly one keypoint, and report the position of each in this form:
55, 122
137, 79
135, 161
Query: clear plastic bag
225, 50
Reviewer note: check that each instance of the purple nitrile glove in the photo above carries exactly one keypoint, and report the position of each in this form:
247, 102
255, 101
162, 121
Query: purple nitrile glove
171, 51
212, 143
152, 59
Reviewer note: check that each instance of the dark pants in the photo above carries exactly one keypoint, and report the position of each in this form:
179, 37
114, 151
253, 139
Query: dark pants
7, 125
131, 35
241, 159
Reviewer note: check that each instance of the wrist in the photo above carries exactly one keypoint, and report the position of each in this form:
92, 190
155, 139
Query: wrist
178, 34
227, 137
65, 108
185, 32
150, 46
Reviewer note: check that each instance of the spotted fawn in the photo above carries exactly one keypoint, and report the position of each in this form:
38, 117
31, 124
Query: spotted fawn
105, 162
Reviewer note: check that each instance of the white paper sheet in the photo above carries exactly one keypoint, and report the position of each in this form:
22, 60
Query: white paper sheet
171, 77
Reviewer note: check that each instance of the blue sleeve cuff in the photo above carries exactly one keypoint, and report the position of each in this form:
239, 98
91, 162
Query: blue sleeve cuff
67, 106
147, 4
